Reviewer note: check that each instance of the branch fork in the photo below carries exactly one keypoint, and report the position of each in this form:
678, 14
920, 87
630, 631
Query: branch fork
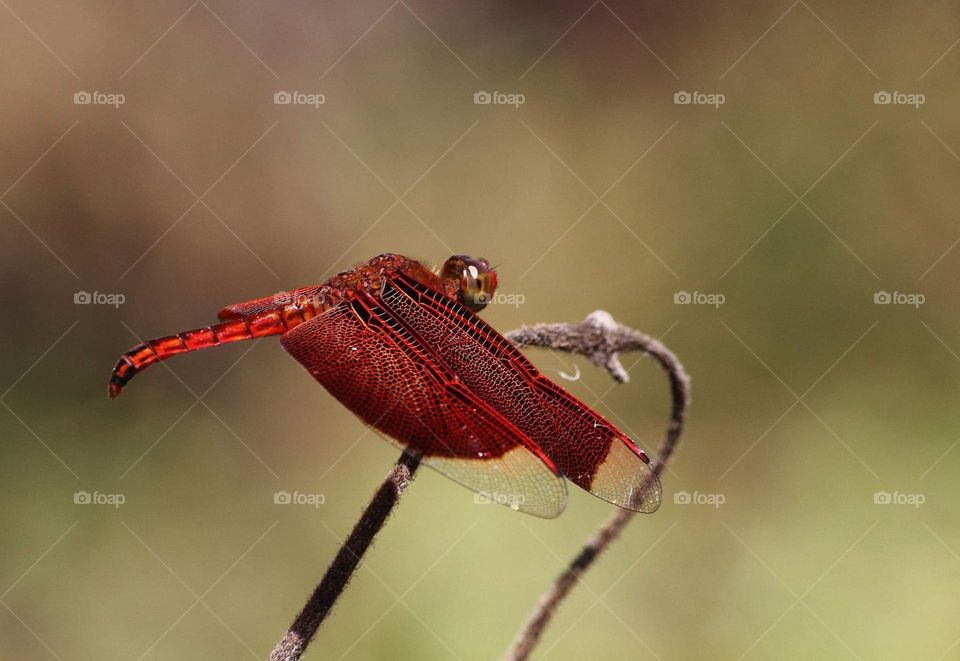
601, 339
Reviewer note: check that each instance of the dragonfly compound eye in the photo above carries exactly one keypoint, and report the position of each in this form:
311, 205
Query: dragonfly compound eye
478, 283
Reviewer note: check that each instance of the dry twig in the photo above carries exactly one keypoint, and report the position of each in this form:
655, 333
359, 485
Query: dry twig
601, 339
294, 643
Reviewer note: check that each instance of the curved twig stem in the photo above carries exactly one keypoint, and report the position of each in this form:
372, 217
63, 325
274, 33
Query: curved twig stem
294, 643
601, 339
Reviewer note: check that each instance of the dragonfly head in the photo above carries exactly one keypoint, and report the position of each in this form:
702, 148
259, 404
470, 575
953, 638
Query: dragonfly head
471, 281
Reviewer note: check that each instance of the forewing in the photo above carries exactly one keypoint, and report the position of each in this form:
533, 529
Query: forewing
381, 372
587, 449
623, 476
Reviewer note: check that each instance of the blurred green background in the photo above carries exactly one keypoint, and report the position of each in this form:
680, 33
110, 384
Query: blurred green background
797, 199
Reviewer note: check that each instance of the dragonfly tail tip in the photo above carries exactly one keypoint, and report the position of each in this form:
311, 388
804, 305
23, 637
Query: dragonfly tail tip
114, 389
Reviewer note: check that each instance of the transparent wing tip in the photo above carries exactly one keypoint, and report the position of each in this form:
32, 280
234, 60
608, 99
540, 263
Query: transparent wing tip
627, 480
646, 495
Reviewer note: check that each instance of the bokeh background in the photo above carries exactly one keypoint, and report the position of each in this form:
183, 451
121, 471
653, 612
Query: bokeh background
794, 202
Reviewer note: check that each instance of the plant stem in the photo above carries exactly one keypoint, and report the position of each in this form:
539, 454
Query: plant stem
294, 643
601, 339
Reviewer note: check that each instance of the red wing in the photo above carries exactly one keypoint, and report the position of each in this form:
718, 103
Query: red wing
587, 449
624, 477
259, 305
378, 370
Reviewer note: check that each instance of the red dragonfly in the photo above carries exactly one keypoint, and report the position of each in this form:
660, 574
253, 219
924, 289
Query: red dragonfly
400, 345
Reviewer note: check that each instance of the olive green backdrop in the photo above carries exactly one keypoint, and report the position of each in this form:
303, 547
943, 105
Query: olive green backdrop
811, 511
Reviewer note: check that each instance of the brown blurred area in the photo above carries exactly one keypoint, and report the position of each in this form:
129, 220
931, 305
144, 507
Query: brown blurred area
789, 214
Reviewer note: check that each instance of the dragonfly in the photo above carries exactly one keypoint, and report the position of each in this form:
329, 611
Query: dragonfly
401, 346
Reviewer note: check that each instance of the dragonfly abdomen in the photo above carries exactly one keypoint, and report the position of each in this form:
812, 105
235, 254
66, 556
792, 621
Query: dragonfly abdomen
147, 353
